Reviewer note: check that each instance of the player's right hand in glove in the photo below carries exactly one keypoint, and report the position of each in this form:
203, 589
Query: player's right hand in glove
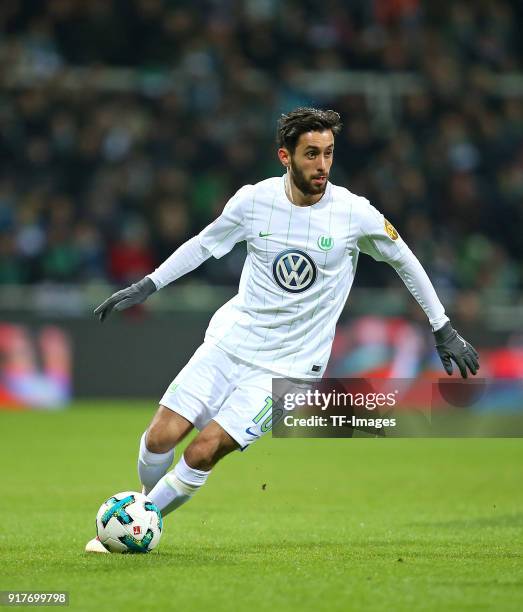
452, 347
130, 296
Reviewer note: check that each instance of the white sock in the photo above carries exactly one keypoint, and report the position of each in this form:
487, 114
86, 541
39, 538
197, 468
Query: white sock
177, 487
152, 466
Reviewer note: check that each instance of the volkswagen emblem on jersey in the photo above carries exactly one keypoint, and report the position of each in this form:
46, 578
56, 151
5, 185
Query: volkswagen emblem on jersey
294, 270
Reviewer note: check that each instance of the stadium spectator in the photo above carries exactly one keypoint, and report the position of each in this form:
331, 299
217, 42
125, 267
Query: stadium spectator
104, 181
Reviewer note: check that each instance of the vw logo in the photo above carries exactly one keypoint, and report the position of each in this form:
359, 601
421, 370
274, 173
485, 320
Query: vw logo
294, 270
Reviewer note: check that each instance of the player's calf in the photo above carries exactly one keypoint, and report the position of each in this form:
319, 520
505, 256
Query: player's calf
180, 484
157, 446
211, 445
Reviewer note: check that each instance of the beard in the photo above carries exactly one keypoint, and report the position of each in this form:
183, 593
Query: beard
306, 186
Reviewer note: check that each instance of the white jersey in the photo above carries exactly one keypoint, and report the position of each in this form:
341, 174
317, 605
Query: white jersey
299, 269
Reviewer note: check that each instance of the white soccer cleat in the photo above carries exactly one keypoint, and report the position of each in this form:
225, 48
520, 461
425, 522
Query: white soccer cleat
95, 546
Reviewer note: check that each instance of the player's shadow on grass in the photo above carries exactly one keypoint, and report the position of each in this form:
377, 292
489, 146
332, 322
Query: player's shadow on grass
501, 520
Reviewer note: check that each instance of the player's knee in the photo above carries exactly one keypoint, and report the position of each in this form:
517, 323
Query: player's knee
157, 439
166, 430
154, 443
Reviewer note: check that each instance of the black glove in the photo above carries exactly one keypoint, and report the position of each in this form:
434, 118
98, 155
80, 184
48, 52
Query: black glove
135, 294
450, 345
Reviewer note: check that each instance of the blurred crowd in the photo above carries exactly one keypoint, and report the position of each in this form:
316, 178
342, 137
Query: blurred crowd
104, 183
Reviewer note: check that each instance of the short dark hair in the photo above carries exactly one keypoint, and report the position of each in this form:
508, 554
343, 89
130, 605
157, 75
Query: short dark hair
292, 125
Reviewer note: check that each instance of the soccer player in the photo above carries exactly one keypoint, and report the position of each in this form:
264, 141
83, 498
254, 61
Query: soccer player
303, 236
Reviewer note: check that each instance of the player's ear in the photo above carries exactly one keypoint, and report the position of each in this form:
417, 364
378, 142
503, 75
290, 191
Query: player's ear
284, 157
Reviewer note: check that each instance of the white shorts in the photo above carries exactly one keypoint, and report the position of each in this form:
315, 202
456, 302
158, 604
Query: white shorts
218, 386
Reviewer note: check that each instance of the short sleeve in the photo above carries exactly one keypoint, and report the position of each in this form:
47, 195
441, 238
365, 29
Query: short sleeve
221, 235
378, 237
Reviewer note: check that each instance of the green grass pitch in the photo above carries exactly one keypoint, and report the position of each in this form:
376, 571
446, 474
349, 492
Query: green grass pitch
366, 524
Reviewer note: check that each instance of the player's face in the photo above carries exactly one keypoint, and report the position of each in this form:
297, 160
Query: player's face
311, 161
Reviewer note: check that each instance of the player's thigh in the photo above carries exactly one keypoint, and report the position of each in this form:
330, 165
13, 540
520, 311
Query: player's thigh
247, 413
166, 430
201, 387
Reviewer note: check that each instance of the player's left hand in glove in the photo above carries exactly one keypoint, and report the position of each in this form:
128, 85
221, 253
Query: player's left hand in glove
130, 296
452, 347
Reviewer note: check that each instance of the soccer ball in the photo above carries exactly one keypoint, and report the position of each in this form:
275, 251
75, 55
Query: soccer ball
129, 522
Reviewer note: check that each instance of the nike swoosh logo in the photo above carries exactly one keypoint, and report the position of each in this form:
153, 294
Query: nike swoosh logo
264, 235
248, 430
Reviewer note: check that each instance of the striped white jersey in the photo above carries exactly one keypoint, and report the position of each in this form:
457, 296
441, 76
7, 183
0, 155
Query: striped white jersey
298, 272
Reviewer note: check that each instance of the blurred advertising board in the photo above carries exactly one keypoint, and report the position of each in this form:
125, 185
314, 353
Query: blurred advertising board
35, 367
137, 355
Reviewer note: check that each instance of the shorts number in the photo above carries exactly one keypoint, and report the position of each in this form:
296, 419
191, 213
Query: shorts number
267, 423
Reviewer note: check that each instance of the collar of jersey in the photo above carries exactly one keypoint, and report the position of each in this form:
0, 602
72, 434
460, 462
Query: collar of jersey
319, 204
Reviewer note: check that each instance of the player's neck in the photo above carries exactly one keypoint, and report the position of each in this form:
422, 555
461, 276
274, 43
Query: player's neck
297, 197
